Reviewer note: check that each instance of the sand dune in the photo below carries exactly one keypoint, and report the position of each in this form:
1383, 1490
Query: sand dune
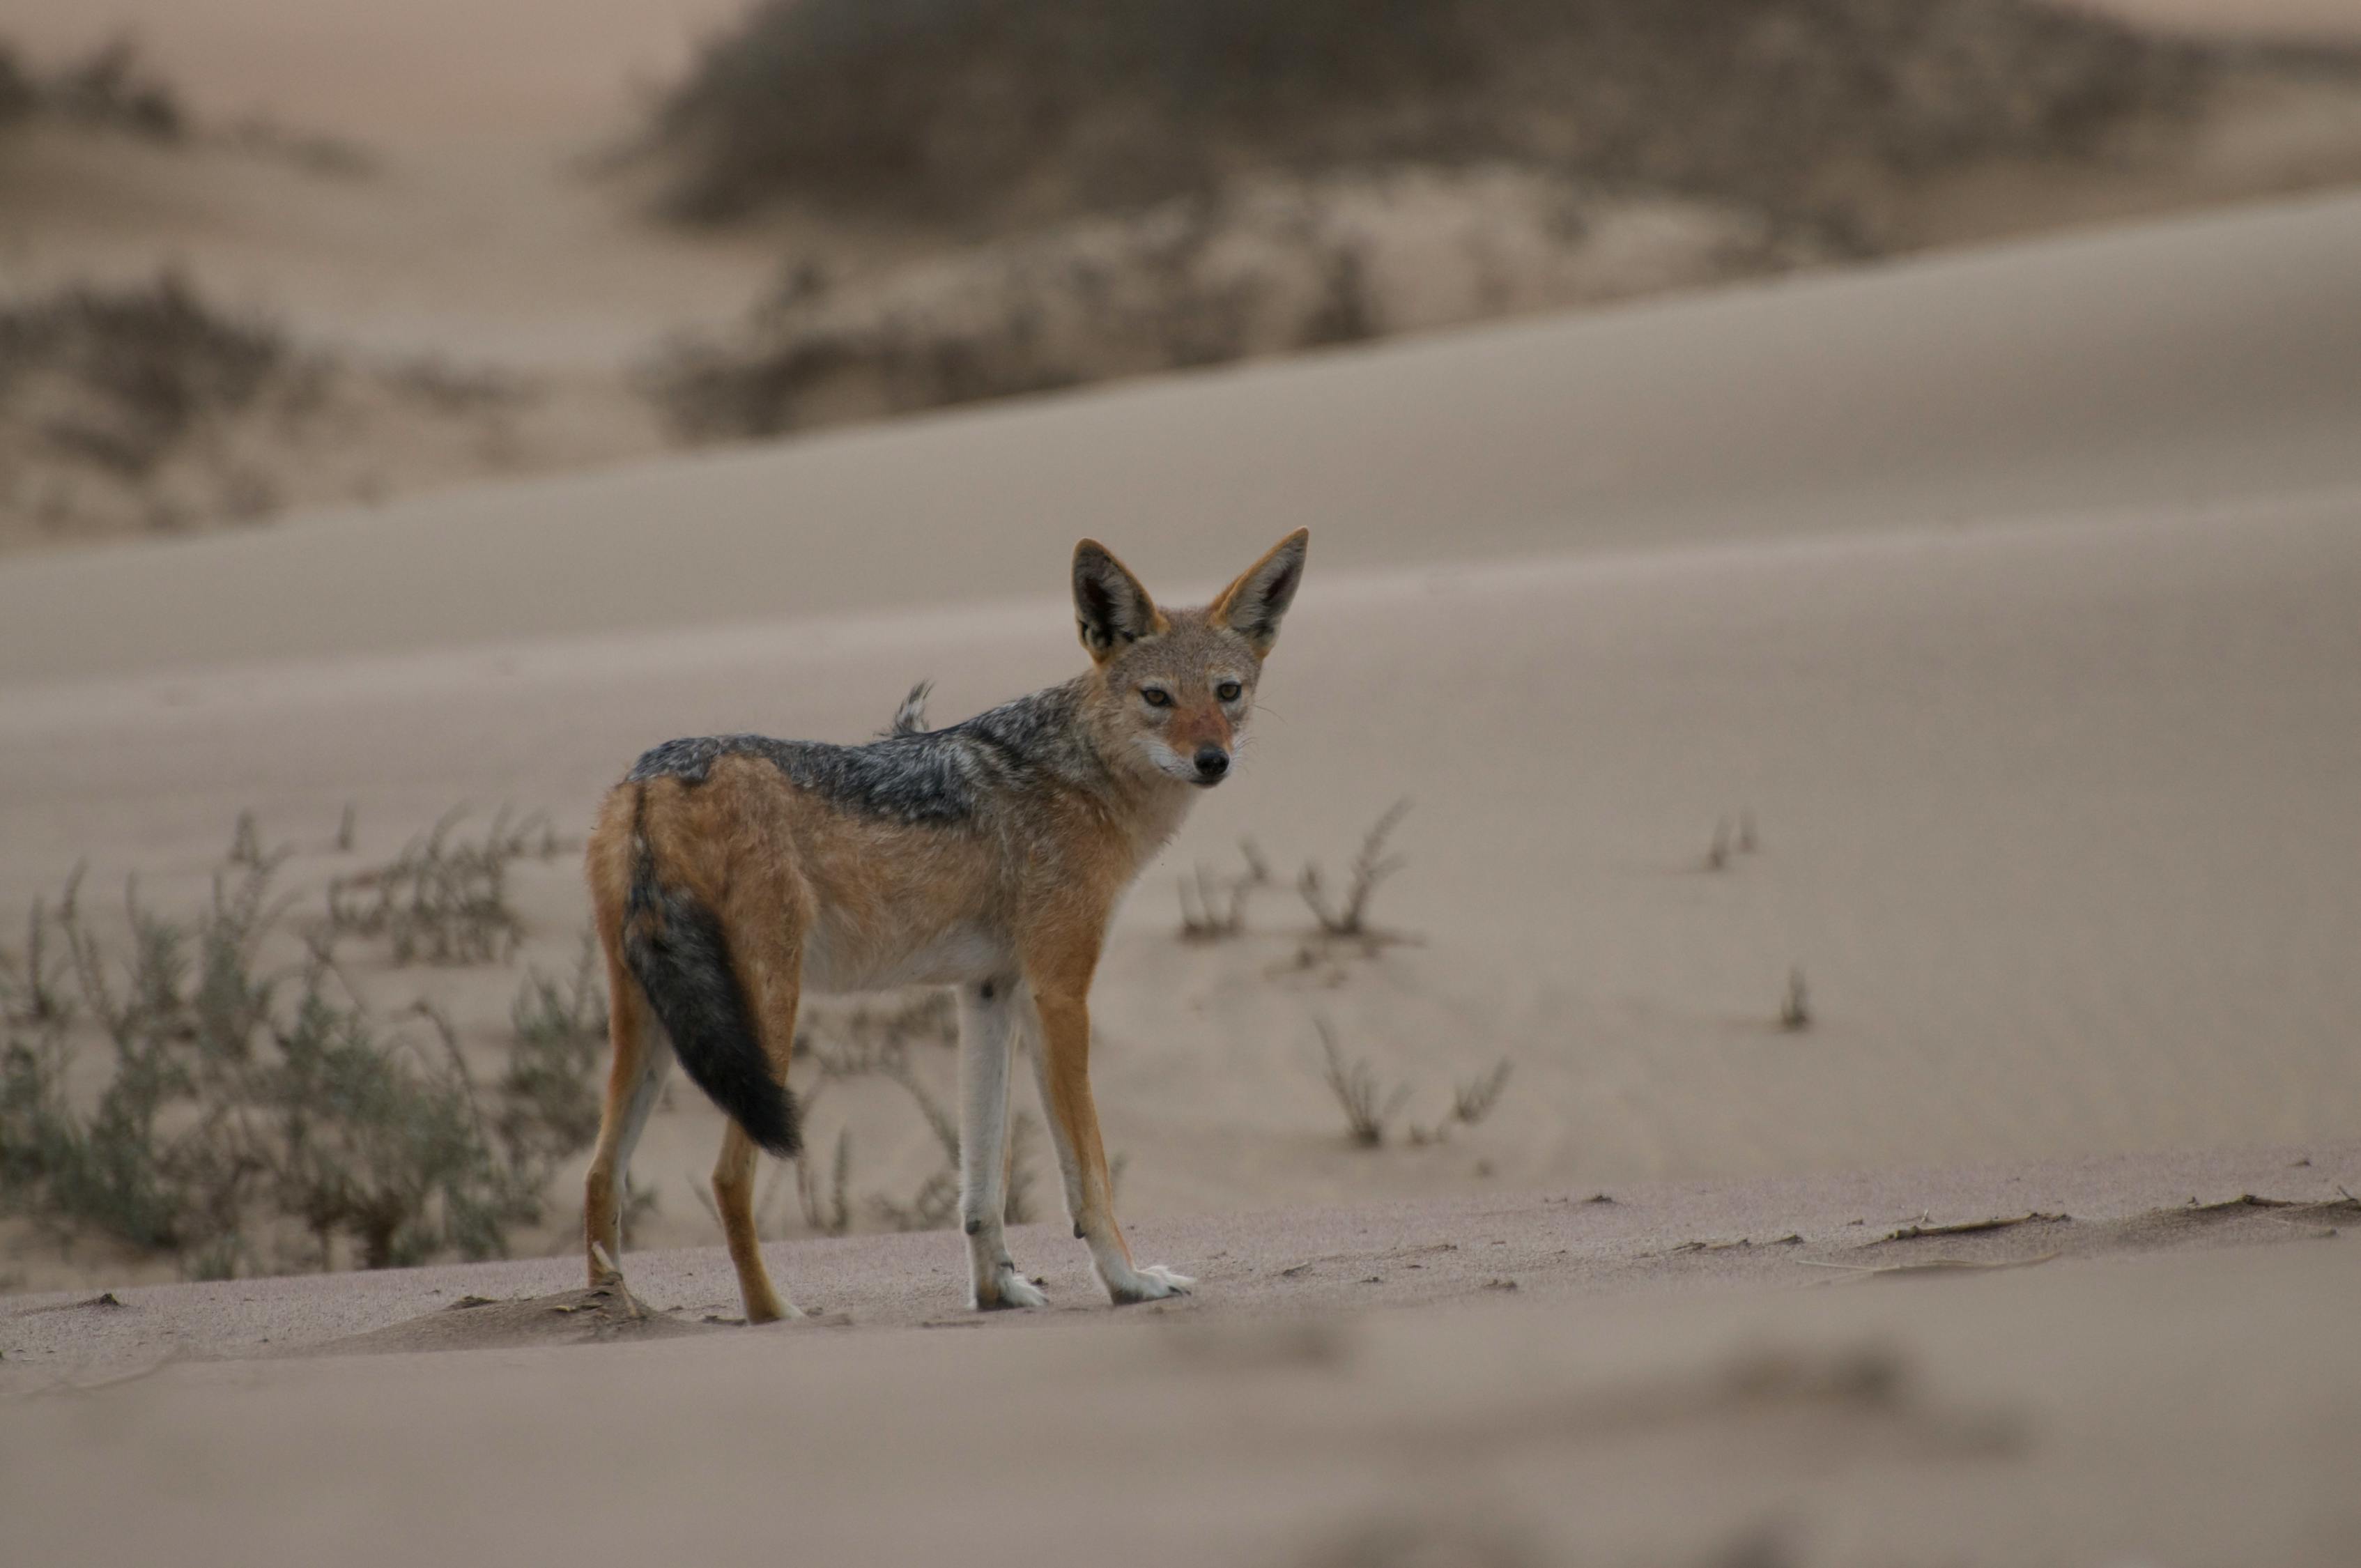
460, 224
2009, 593
2145, 369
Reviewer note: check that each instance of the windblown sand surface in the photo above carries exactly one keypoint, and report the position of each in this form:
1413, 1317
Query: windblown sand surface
2011, 595
1585, 1382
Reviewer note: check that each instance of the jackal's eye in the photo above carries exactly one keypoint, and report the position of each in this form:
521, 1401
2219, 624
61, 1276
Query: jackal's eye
1156, 696
1229, 691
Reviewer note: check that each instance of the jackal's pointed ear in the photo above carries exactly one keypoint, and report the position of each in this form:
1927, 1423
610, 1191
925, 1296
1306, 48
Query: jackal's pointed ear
1109, 603
1252, 606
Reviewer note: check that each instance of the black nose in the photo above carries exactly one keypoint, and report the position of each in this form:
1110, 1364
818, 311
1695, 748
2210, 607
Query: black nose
1212, 761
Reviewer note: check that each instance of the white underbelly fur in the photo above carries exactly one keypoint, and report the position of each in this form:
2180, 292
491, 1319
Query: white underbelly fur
838, 960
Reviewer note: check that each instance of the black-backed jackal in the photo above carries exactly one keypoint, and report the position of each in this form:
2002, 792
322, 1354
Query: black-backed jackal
732, 873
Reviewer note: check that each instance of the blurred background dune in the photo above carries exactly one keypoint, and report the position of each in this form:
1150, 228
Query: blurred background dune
258, 256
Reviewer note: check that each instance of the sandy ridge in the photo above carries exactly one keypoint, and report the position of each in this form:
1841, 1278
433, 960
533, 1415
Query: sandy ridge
1682, 1237
2201, 356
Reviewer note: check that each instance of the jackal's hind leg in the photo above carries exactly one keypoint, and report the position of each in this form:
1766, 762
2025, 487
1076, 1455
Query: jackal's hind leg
762, 915
642, 1056
989, 1015
733, 1195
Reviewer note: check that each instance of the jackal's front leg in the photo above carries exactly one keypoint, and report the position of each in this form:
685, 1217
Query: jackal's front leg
1065, 1069
988, 1028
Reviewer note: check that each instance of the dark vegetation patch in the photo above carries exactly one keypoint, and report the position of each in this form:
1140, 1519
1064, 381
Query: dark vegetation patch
111, 88
443, 900
150, 407
120, 379
248, 1115
993, 112
1111, 191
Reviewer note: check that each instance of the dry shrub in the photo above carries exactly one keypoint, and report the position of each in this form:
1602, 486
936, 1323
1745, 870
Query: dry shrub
252, 1117
1213, 906
110, 87
123, 376
1367, 1105
1795, 1006
443, 900
1265, 265
1371, 866
986, 112
149, 406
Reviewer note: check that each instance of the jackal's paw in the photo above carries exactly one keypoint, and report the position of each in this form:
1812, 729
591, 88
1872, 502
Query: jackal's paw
1150, 1284
777, 1309
1009, 1289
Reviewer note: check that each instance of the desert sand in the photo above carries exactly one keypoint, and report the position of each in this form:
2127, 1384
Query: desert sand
2012, 606
2007, 595
1553, 1380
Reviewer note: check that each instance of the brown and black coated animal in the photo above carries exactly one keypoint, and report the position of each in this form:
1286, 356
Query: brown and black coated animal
731, 874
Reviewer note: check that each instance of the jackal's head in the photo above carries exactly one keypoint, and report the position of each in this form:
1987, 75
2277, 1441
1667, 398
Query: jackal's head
1175, 686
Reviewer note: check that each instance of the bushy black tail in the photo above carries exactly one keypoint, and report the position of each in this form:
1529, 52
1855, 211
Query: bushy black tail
680, 954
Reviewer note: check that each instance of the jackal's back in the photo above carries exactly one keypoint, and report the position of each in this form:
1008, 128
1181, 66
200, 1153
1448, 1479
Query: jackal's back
940, 777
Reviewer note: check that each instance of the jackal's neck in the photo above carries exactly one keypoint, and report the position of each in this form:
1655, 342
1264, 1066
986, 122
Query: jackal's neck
1153, 818
1052, 731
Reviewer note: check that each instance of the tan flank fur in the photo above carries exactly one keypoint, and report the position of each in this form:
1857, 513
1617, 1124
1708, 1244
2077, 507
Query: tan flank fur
732, 873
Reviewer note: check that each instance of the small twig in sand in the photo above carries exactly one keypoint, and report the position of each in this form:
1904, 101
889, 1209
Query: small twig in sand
1790, 1239
1728, 844
1930, 1264
107, 1300
1795, 1009
1969, 1227
1473, 1101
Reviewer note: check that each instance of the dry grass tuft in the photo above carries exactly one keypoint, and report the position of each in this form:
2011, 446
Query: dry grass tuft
1368, 1107
110, 88
1796, 1007
1371, 866
445, 901
116, 382
1213, 906
1473, 1101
